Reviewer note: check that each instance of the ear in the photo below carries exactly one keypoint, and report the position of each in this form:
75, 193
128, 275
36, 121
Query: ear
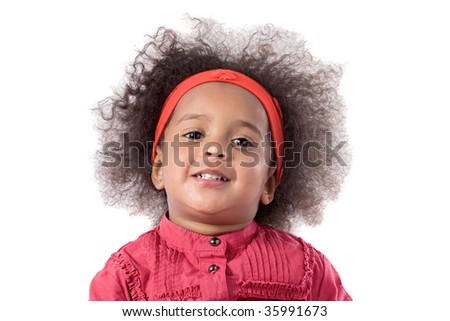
157, 172
269, 188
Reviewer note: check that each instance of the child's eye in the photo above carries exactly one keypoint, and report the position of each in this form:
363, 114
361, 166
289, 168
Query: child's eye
242, 142
193, 135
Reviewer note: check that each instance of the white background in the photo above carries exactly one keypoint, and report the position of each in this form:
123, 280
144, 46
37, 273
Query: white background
387, 234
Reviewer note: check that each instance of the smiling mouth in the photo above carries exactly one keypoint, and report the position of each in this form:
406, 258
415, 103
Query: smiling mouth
211, 177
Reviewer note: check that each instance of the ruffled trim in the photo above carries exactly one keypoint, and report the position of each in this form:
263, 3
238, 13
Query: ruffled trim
133, 279
272, 290
306, 283
189, 293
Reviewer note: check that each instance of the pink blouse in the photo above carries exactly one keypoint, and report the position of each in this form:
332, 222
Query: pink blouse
255, 263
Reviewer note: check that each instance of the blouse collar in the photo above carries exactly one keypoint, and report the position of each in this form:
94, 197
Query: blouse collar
182, 238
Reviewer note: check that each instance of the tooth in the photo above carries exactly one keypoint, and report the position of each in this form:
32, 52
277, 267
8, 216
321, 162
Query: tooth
211, 177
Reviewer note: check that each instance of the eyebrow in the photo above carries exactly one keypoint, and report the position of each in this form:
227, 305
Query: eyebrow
244, 123
191, 116
250, 126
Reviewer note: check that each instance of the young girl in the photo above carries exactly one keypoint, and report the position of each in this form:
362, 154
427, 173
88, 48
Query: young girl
239, 122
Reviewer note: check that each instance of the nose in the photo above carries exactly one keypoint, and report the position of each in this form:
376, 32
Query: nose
214, 149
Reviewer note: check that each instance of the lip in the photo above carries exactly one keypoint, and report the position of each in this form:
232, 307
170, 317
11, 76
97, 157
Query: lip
211, 182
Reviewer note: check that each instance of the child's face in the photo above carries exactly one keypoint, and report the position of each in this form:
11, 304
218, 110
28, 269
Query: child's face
215, 159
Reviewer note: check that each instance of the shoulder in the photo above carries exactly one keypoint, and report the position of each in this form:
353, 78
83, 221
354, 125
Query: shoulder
135, 254
120, 278
324, 281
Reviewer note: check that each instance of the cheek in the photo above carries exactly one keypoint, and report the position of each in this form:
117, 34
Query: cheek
256, 158
177, 166
184, 154
254, 174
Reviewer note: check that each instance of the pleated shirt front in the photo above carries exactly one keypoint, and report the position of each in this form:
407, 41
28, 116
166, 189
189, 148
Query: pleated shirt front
255, 263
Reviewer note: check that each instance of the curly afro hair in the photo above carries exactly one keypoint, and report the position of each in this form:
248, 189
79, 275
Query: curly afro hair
305, 87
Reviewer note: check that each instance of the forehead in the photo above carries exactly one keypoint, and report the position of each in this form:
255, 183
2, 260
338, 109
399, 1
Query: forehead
219, 98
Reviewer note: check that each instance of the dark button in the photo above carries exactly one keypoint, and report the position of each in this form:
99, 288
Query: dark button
213, 268
215, 241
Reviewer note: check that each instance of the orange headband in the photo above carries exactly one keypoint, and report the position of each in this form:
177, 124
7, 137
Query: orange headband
270, 104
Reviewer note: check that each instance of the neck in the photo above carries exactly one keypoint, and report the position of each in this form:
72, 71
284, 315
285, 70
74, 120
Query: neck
206, 228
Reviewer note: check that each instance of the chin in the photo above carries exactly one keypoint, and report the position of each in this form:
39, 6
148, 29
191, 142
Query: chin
221, 216
207, 210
